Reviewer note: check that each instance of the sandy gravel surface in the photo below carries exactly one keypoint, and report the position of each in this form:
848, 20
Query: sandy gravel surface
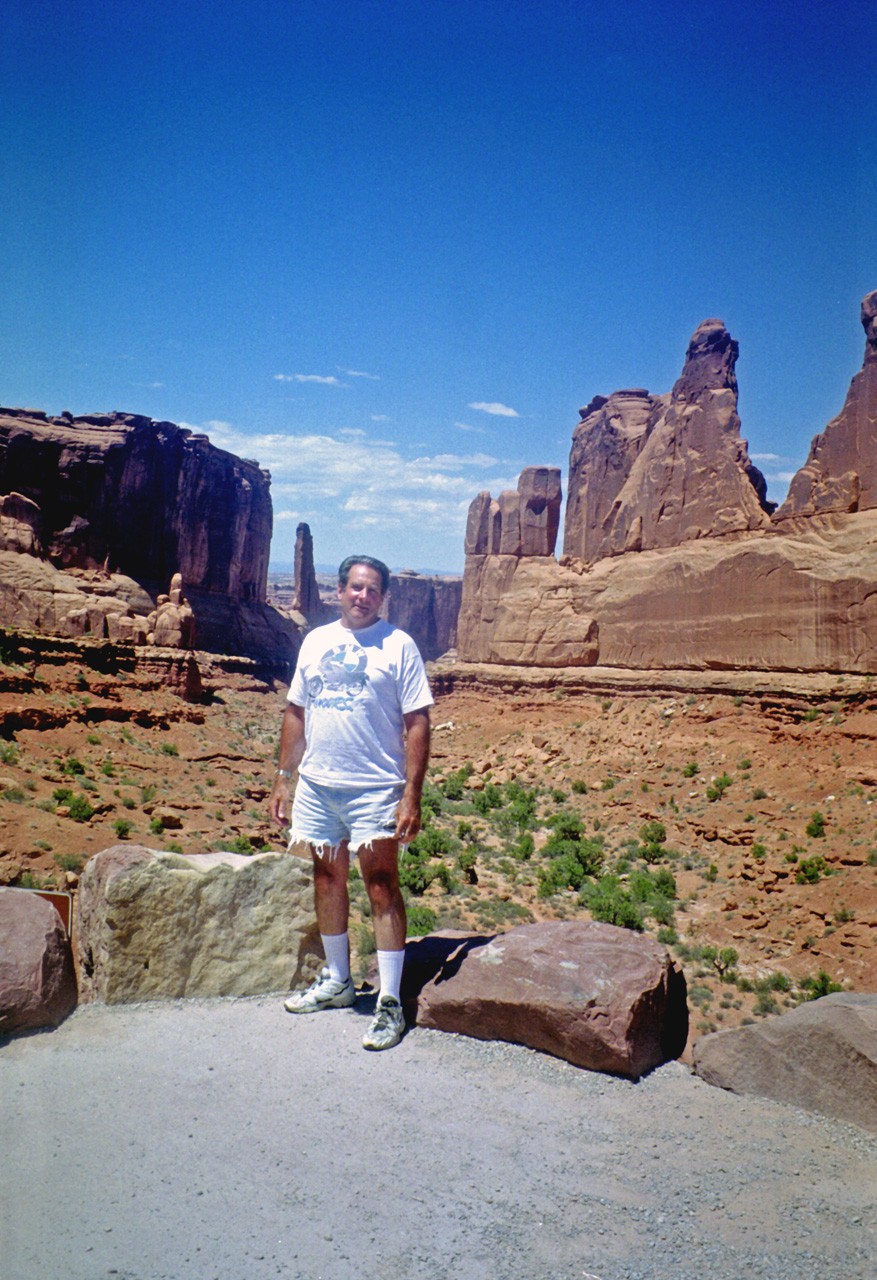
228, 1139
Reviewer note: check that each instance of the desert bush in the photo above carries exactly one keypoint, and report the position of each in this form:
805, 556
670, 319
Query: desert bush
579, 787
691, 769
70, 861
816, 826
80, 809
122, 828
169, 749
811, 870
822, 985
8, 753
72, 766
421, 920
718, 787
609, 903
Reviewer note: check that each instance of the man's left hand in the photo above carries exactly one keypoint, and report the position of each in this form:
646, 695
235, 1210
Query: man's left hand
407, 819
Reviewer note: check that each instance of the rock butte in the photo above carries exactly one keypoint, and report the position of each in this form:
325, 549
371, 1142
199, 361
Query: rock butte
672, 556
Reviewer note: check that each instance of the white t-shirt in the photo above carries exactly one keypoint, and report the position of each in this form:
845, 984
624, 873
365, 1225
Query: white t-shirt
355, 687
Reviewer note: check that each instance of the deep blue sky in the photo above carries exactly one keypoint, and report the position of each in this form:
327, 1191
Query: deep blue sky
353, 238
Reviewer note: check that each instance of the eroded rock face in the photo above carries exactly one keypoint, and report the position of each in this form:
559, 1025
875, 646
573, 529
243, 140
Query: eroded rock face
649, 472
161, 926
113, 505
840, 473
427, 608
37, 981
150, 498
523, 522
821, 1056
307, 593
600, 997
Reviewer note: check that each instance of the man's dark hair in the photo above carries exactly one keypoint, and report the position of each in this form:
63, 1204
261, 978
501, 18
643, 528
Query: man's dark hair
371, 563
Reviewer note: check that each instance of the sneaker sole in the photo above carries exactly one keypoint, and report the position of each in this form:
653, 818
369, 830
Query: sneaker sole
337, 1003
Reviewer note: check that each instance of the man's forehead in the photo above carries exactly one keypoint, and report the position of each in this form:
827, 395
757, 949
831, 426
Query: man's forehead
364, 572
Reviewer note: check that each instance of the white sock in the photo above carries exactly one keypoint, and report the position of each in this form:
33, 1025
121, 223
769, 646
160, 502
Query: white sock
337, 951
390, 965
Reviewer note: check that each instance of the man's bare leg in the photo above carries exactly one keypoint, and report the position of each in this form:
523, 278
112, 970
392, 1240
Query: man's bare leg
379, 862
334, 988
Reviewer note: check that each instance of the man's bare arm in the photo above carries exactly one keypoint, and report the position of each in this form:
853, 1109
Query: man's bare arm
417, 733
292, 748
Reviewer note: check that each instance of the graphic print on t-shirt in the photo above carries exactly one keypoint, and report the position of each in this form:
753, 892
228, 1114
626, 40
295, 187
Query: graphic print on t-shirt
340, 676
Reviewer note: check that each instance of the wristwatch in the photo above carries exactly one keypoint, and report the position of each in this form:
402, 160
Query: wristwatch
284, 773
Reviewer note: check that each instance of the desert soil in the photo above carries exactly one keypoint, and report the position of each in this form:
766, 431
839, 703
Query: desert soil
619, 750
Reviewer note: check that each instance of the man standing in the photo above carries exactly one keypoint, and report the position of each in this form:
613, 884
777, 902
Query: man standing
357, 730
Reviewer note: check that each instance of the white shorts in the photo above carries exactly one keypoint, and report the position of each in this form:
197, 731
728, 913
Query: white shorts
327, 816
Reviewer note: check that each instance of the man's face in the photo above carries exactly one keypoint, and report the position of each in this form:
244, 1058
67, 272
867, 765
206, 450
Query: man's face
361, 598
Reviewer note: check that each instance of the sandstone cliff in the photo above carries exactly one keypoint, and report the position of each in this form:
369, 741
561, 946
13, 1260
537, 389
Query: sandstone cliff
672, 555
427, 608
111, 506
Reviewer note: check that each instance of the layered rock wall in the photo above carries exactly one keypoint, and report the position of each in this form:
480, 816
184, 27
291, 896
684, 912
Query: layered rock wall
99, 512
147, 499
427, 608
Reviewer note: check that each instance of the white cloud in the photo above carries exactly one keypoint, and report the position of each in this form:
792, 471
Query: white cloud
331, 381
766, 457
380, 417
365, 482
464, 426
355, 373
283, 377
501, 410
352, 433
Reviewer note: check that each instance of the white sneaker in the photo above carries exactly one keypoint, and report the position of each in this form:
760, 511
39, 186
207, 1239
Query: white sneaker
326, 993
387, 1026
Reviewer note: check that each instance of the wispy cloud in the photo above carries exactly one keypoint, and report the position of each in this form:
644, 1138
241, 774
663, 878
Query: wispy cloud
380, 417
500, 410
356, 373
367, 482
767, 457
284, 377
149, 386
464, 426
331, 381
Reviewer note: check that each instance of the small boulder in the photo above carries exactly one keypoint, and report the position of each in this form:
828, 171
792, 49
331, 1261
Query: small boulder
37, 980
601, 997
821, 1056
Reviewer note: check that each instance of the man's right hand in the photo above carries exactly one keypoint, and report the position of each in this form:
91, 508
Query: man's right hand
278, 802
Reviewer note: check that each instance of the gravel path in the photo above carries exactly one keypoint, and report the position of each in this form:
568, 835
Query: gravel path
225, 1139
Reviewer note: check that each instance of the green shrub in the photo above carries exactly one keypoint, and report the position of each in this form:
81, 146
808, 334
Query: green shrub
579, 787
718, 787
421, 920
759, 794
122, 828
691, 769
15, 794
72, 766
572, 855
9, 753
70, 861
169, 749
156, 827
430, 802
80, 809
609, 903
821, 985
816, 826
810, 870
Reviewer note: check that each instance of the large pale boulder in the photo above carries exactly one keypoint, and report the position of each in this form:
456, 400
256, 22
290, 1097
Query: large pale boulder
821, 1056
601, 997
161, 926
37, 980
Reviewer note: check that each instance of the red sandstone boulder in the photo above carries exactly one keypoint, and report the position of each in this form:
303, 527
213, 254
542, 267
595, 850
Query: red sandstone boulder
601, 997
37, 981
821, 1056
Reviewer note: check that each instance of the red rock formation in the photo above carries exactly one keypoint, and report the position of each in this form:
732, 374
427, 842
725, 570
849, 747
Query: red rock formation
307, 593
37, 981
651, 472
524, 522
427, 608
148, 497
715, 582
111, 506
840, 473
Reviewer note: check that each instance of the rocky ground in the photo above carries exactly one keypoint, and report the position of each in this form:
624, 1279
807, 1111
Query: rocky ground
735, 813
